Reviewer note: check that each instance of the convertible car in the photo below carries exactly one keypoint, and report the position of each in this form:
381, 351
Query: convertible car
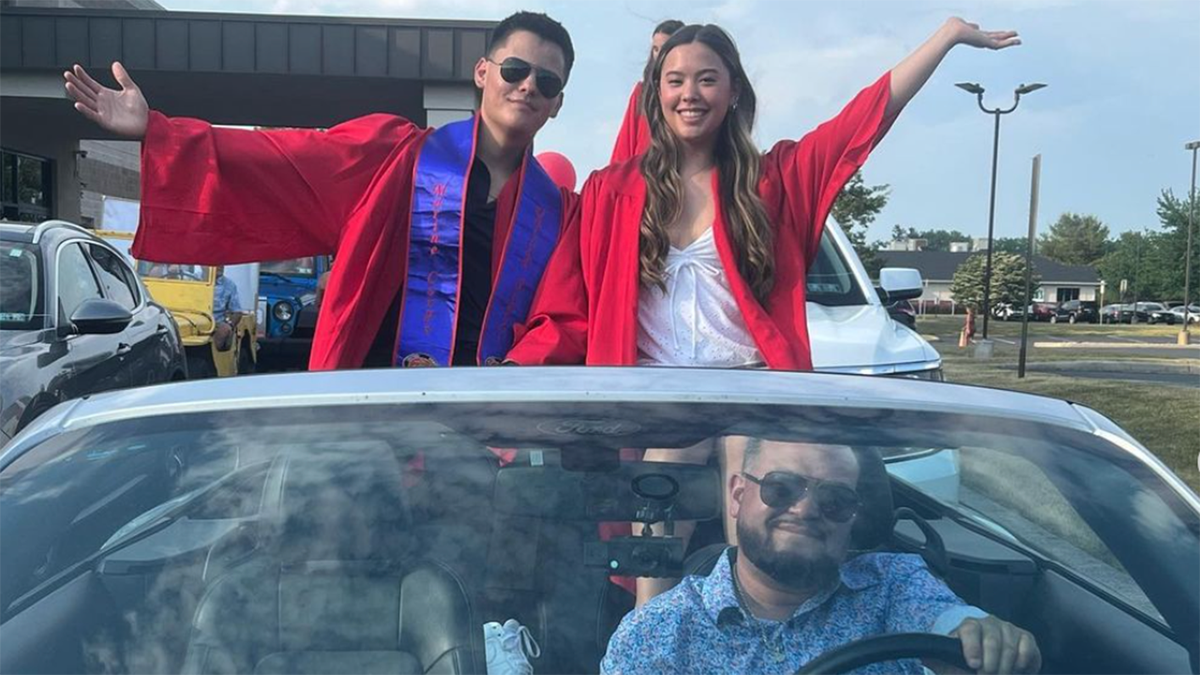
374, 521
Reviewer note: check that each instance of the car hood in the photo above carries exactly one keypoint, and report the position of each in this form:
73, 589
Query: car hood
864, 338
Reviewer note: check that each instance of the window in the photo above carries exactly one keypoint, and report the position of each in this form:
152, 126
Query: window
830, 281
9, 168
33, 188
299, 267
76, 281
1065, 294
27, 187
20, 287
116, 278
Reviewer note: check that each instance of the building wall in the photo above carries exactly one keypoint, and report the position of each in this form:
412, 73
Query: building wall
109, 168
939, 292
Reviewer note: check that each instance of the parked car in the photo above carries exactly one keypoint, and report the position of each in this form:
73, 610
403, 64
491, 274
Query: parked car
287, 309
1145, 311
849, 326
1117, 313
1042, 311
1193, 314
330, 522
1006, 311
1076, 311
74, 320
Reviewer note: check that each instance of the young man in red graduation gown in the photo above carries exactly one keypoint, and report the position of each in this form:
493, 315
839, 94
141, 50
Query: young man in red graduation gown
441, 236
634, 134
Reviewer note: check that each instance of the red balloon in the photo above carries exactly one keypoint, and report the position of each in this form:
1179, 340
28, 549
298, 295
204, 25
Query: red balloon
559, 168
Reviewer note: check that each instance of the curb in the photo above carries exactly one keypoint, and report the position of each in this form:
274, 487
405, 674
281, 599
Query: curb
1130, 366
1113, 345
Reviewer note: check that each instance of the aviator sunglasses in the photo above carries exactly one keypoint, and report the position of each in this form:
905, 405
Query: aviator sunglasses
782, 490
513, 70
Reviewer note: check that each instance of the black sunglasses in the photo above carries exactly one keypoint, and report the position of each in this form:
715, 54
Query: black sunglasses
513, 70
782, 490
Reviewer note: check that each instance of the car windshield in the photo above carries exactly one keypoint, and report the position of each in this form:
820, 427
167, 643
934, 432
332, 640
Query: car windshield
172, 271
298, 267
830, 281
282, 530
20, 287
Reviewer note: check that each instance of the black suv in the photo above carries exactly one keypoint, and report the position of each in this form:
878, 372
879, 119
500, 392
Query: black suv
74, 320
1077, 311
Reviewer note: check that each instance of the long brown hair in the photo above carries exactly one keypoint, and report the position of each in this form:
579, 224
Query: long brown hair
737, 160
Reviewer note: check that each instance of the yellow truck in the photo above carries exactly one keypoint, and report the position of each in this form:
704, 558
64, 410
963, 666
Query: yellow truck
187, 291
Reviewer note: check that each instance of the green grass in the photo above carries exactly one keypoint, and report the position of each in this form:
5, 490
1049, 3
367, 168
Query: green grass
1164, 418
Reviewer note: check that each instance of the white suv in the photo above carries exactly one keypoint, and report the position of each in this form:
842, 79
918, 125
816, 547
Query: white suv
848, 324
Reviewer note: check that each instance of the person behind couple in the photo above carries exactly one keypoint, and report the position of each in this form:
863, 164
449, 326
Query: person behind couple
633, 137
364, 190
789, 592
695, 254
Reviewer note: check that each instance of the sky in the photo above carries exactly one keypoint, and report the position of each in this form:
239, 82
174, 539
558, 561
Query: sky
1123, 95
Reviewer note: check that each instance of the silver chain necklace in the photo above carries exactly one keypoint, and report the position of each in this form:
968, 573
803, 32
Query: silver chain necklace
773, 644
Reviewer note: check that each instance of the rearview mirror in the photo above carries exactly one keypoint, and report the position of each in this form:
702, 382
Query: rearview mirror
100, 317
647, 492
900, 283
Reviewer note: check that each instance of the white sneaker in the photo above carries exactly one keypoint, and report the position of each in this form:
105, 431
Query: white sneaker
509, 648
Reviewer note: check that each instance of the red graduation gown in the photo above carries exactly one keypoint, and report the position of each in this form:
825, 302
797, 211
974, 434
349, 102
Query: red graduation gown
226, 196
634, 135
586, 307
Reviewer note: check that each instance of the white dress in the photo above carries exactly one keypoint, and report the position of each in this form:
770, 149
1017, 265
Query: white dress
697, 321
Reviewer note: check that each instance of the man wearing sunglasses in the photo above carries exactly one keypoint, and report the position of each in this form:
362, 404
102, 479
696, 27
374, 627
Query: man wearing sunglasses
789, 592
441, 235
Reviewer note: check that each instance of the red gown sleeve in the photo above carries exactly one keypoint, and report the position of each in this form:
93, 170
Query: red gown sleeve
213, 195
805, 177
628, 136
556, 330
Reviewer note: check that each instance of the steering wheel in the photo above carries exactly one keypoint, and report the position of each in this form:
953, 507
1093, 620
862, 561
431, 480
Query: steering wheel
887, 648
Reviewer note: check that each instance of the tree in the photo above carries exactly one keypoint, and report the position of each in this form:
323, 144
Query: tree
937, 240
855, 209
1013, 245
1141, 260
1008, 280
1076, 239
1172, 247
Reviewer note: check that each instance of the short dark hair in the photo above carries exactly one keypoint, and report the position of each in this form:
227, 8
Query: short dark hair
668, 27
540, 25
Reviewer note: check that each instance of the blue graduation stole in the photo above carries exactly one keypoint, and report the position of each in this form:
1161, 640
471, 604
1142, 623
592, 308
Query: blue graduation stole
430, 303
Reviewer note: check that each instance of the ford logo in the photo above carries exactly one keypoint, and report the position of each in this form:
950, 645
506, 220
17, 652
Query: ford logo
590, 427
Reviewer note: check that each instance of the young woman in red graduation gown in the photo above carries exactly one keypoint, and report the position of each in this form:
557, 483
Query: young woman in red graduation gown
696, 253
634, 135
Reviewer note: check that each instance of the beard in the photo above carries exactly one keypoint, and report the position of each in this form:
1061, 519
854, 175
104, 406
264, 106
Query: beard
790, 567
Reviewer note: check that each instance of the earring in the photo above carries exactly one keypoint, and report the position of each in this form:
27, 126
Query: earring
735, 102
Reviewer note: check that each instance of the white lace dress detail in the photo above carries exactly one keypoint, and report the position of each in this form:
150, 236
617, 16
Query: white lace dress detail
697, 321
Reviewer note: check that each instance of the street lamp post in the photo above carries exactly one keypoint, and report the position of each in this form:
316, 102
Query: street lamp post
1187, 265
973, 88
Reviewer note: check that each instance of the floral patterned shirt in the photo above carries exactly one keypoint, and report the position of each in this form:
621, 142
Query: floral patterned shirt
699, 626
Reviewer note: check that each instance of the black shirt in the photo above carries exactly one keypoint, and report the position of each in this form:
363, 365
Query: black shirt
476, 252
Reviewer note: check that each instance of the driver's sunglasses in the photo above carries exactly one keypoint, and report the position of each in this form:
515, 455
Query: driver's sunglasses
782, 490
513, 70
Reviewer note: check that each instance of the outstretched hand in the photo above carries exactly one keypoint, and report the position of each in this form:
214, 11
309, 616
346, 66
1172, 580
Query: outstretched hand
124, 112
967, 33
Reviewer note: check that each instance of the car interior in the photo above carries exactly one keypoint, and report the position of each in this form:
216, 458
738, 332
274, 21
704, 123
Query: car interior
311, 544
